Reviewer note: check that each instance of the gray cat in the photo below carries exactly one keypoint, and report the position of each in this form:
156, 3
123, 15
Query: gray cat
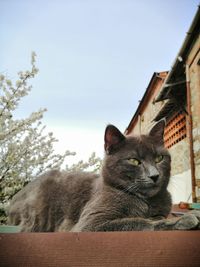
130, 194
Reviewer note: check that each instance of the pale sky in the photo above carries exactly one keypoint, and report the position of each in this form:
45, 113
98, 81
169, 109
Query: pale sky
95, 58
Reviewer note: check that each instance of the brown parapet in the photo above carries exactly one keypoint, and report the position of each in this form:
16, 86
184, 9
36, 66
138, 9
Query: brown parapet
117, 249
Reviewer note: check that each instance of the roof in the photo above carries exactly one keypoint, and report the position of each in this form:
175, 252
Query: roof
176, 76
175, 79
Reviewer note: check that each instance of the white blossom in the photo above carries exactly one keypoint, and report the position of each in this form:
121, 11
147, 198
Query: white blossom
26, 150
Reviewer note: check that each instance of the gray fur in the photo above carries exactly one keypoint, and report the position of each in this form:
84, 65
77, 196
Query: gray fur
123, 198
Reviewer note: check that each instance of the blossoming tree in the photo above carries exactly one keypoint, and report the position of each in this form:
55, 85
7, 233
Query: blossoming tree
26, 151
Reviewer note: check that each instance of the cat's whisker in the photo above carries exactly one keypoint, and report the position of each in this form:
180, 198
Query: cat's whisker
127, 190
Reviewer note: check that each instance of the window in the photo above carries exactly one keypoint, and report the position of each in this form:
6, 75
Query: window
175, 130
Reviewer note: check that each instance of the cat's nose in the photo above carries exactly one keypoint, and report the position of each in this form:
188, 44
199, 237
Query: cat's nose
154, 177
152, 173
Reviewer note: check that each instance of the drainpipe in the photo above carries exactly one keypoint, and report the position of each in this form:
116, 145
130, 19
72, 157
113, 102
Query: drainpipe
190, 135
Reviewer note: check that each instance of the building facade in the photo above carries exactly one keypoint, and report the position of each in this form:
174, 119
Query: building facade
175, 96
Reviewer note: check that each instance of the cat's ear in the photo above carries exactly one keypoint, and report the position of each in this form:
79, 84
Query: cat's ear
158, 131
113, 137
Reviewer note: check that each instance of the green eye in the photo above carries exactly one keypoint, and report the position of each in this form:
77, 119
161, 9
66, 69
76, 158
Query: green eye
134, 162
158, 159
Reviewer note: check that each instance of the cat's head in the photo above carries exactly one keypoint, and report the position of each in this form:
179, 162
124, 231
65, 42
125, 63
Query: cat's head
136, 164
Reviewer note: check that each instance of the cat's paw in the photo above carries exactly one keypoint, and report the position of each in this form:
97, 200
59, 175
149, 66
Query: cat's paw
197, 214
188, 221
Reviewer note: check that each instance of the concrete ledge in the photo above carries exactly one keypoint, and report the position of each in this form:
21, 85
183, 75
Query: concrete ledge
117, 249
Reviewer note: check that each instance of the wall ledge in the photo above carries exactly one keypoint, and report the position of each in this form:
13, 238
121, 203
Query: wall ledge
113, 249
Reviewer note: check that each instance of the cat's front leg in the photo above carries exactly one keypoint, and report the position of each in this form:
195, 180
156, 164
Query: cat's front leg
124, 224
188, 221
196, 213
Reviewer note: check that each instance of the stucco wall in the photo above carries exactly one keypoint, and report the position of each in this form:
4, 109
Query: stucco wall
180, 157
180, 187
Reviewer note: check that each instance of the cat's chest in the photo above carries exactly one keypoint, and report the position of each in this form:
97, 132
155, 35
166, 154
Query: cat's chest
138, 208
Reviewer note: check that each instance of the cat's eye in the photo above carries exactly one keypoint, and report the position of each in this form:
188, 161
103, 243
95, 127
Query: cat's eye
134, 162
158, 159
